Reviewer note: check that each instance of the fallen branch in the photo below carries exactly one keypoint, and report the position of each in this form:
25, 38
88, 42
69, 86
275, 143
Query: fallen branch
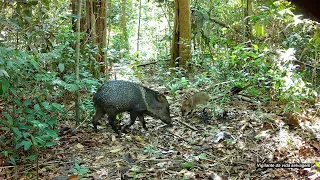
188, 125
176, 135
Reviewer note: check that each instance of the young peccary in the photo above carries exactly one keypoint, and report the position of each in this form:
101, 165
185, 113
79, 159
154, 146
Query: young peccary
192, 102
119, 96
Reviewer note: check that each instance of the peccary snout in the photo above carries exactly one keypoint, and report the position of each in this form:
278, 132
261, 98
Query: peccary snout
119, 96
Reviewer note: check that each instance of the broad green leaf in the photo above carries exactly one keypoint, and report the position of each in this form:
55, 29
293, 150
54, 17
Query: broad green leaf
32, 157
23, 126
317, 164
72, 87
13, 91
259, 29
52, 133
4, 73
41, 140
52, 121
17, 101
35, 122
48, 144
77, 166
202, 156
5, 153
13, 160
26, 144
5, 86
27, 110
9, 118
258, 136
5, 123
17, 132
27, 102
58, 106
34, 141
61, 67
35, 64
46, 105
36, 107
188, 165
83, 171
316, 38
26, 134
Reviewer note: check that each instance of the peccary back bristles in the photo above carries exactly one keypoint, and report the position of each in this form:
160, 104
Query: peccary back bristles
119, 96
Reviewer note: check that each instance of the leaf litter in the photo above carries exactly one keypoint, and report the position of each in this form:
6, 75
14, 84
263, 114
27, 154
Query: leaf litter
232, 144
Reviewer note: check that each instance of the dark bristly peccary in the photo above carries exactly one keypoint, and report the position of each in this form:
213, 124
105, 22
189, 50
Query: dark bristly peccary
119, 96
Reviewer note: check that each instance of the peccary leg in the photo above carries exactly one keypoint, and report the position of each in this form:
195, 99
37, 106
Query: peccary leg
133, 117
97, 117
141, 119
112, 119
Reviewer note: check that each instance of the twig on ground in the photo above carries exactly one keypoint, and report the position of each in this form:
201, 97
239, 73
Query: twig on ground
188, 125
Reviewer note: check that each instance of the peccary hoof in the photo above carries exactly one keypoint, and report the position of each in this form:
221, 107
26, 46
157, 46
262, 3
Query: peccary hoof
124, 130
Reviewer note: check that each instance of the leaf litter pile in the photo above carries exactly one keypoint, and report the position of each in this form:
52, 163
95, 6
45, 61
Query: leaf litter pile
241, 140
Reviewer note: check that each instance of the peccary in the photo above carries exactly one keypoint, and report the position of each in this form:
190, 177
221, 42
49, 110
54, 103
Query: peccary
192, 102
119, 96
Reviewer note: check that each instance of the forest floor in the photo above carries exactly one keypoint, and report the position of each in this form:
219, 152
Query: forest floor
246, 141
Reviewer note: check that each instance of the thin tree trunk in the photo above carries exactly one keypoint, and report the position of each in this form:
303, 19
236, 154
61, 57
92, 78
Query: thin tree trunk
78, 62
104, 42
109, 63
248, 13
244, 28
139, 19
92, 23
109, 13
74, 11
124, 28
175, 39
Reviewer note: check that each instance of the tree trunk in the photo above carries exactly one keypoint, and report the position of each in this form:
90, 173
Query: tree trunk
248, 12
95, 27
109, 63
101, 30
244, 35
185, 34
181, 45
78, 61
139, 22
74, 11
246, 9
124, 27
175, 39
249, 29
